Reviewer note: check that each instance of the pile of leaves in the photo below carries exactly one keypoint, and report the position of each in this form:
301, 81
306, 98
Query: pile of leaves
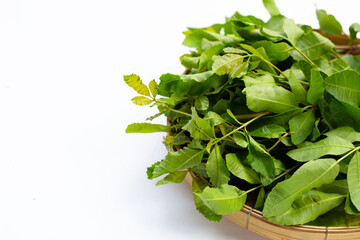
264, 109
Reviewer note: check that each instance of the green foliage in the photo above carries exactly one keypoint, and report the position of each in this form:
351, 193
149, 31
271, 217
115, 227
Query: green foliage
235, 166
308, 207
271, 107
225, 199
173, 177
197, 187
301, 126
271, 7
310, 175
268, 131
216, 168
298, 90
353, 178
344, 86
175, 161
316, 90
332, 145
198, 128
227, 63
266, 97
328, 23
146, 128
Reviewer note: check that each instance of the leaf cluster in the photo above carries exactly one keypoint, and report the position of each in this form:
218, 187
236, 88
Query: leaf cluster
269, 108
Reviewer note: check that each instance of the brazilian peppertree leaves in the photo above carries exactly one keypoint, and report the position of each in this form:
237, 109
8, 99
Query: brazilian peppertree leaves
262, 105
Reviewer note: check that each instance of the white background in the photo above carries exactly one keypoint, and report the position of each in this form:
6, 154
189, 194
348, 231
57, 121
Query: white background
67, 169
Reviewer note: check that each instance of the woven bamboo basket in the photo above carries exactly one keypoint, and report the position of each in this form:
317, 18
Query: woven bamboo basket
253, 220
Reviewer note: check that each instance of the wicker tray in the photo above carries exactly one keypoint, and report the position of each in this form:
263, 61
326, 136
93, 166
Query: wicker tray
252, 219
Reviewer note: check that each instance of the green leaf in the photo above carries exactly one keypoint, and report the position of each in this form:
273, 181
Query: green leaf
346, 132
353, 61
259, 204
353, 178
235, 51
312, 174
227, 63
354, 29
281, 119
206, 56
195, 38
332, 145
344, 86
202, 103
328, 23
240, 139
262, 79
261, 161
268, 131
301, 126
174, 177
228, 111
350, 207
214, 118
146, 128
271, 7
306, 68
335, 218
308, 207
316, 90
225, 199
298, 90
179, 160
153, 86
337, 186
216, 168
150, 170
197, 187
135, 82
313, 45
141, 100
275, 51
292, 31
235, 166
345, 114
240, 70
198, 128
265, 97
189, 85
274, 36
189, 61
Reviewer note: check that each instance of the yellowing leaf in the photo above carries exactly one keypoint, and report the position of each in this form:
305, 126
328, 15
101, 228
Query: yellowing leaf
141, 100
135, 82
153, 88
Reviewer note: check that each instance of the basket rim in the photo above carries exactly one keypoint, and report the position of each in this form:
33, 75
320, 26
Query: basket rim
254, 213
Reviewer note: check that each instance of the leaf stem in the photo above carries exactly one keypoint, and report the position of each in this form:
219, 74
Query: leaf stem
277, 69
346, 155
302, 54
201, 177
241, 127
247, 116
262, 185
177, 111
278, 141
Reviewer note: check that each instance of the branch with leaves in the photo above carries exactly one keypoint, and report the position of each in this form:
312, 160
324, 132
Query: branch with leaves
265, 107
